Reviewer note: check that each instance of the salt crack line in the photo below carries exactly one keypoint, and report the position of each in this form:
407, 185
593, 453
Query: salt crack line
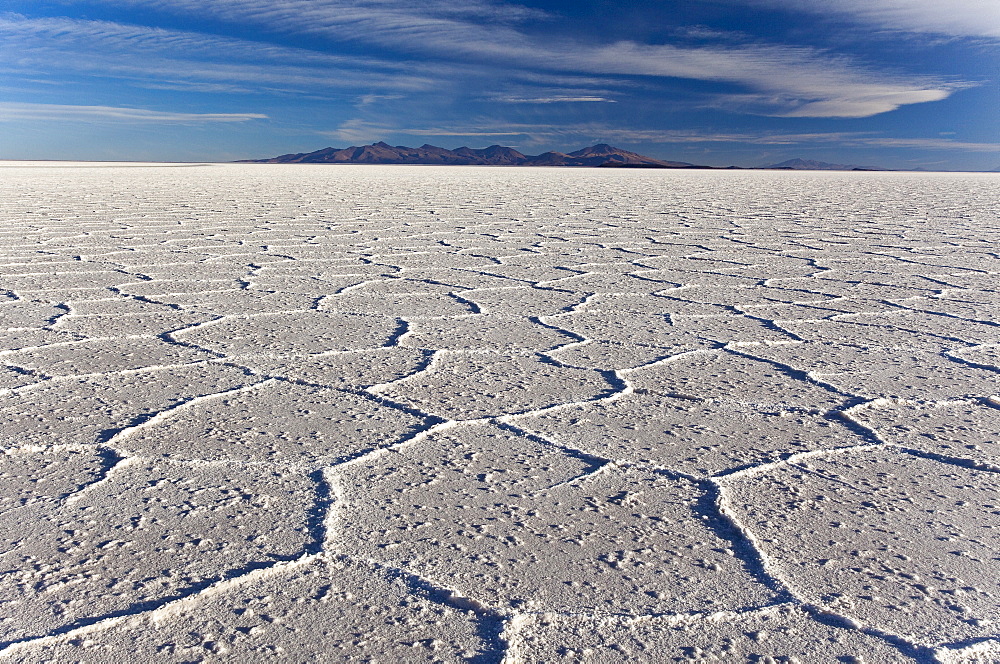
169, 413
984, 650
807, 376
420, 584
168, 610
955, 357
728, 476
770, 568
871, 432
598, 464
75, 342
431, 365
117, 461
405, 442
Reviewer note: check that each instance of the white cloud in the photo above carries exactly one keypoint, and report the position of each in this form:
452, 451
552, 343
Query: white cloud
928, 144
554, 99
802, 82
10, 111
189, 60
959, 18
359, 131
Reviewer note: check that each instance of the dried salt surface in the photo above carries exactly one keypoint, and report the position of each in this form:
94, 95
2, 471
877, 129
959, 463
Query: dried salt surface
318, 610
964, 430
783, 633
291, 332
471, 385
94, 356
143, 534
498, 517
692, 437
898, 543
274, 421
457, 414
94, 409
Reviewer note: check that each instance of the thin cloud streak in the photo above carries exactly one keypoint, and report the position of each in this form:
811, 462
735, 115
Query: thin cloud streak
170, 57
555, 99
805, 82
10, 111
956, 18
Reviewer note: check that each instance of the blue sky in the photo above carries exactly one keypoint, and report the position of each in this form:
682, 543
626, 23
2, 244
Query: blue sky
891, 83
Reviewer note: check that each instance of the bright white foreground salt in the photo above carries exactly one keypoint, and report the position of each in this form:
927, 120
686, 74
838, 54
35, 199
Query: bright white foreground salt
408, 414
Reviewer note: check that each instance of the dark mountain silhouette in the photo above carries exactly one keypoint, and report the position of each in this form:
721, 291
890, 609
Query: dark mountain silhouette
813, 165
495, 155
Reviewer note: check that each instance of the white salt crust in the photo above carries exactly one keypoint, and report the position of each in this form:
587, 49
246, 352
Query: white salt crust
421, 414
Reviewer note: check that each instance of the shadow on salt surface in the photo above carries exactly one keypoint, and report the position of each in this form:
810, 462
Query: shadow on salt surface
499, 518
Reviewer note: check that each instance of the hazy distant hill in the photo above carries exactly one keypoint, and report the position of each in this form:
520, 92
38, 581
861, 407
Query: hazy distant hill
495, 155
813, 165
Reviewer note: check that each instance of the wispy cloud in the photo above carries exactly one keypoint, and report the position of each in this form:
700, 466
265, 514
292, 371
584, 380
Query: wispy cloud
190, 60
929, 144
64, 113
462, 131
554, 99
359, 131
959, 18
800, 82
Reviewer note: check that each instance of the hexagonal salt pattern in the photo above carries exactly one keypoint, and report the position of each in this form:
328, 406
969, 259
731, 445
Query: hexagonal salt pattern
898, 543
315, 610
783, 633
501, 519
136, 535
268, 413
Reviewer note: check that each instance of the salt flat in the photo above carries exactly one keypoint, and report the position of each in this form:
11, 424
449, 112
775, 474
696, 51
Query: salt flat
418, 414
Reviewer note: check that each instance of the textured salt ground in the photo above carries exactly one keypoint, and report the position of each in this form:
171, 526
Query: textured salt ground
455, 414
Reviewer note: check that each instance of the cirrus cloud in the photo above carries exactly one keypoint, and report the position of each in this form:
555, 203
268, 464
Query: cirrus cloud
801, 81
10, 111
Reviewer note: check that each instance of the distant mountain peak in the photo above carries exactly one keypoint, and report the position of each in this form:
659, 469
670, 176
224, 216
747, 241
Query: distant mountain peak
799, 164
495, 155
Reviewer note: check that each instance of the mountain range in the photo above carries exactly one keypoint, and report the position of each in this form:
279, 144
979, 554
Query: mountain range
602, 155
813, 165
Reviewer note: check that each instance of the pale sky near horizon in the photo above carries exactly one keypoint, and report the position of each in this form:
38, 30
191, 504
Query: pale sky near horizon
881, 83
